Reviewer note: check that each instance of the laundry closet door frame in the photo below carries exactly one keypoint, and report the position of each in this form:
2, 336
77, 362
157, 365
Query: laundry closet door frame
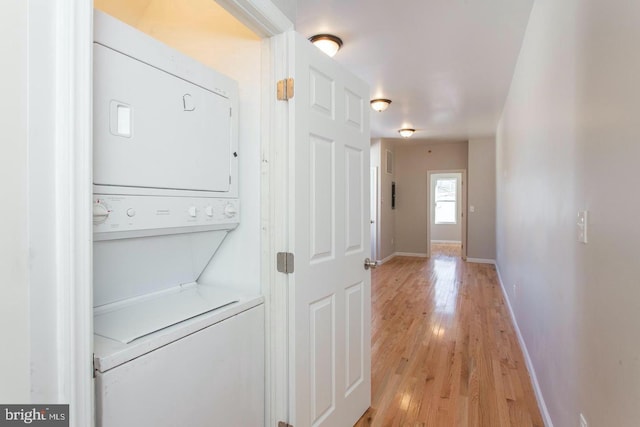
71, 79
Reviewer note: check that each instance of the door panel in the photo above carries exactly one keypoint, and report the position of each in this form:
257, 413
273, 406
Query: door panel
355, 337
355, 110
322, 359
329, 188
321, 89
322, 198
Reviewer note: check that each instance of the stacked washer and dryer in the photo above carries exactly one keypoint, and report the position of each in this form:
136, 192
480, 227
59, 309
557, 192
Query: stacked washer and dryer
169, 350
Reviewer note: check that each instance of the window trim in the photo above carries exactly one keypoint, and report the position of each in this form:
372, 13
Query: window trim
455, 202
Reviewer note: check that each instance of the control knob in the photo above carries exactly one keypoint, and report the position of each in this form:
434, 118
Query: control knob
100, 213
230, 210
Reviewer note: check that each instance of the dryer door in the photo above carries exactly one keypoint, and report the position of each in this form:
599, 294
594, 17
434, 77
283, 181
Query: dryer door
155, 130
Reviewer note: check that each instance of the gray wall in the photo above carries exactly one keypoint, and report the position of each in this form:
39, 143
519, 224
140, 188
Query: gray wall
288, 7
387, 229
481, 224
14, 291
413, 160
569, 140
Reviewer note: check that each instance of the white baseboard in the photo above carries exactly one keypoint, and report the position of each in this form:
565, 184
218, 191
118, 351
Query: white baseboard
417, 255
387, 259
395, 254
532, 372
446, 241
482, 261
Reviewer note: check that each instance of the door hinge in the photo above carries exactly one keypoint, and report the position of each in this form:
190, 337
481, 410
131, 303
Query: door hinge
285, 262
285, 89
283, 424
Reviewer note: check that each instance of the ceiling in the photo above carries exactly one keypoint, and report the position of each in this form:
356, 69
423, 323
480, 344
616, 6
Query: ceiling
445, 64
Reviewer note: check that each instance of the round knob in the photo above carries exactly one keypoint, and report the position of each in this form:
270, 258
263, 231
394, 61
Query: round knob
100, 213
131, 212
370, 264
230, 211
193, 211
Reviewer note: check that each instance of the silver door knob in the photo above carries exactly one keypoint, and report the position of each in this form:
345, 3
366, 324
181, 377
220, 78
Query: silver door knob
370, 264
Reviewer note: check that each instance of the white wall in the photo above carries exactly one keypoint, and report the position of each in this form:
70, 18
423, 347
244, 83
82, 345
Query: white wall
569, 140
481, 194
205, 31
14, 292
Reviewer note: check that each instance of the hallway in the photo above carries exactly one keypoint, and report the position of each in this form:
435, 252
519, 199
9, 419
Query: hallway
444, 350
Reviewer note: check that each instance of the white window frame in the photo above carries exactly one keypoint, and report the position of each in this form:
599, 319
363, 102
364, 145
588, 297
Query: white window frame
455, 202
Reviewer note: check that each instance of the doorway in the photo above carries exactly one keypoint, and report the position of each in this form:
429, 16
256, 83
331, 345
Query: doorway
446, 230
374, 212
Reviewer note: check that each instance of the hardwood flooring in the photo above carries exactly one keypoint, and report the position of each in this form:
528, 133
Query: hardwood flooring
444, 350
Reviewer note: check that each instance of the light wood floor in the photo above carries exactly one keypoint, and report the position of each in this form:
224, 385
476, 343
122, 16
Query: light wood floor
444, 351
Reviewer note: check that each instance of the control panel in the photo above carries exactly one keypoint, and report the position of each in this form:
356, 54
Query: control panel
114, 213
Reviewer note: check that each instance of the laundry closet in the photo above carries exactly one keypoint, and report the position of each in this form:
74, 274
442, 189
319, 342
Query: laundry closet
178, 303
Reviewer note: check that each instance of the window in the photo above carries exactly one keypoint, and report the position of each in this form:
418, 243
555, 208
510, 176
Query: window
446, 201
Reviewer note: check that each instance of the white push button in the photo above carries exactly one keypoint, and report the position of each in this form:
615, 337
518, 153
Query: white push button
193, 211
209, 210
131, 212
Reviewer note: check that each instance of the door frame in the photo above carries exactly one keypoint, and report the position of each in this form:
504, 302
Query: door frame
375, 194
69, 54
463, 208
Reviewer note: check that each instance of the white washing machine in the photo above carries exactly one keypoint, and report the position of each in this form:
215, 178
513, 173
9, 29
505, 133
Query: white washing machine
169, 349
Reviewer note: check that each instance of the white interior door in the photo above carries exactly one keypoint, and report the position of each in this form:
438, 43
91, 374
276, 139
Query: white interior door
330, 350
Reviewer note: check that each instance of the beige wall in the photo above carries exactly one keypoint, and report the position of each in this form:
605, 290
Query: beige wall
569, 139
14, 292
481, 224
387, 224
413, 159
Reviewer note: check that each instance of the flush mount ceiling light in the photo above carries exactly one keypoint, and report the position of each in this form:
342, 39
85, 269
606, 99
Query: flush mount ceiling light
327, 43
406, 132
380, 104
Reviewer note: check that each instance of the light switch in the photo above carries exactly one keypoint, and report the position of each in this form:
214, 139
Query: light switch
583, 221
472, 209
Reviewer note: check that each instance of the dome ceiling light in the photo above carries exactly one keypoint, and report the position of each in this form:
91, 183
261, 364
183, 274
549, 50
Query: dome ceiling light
328, 43
380, 104
406, 132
